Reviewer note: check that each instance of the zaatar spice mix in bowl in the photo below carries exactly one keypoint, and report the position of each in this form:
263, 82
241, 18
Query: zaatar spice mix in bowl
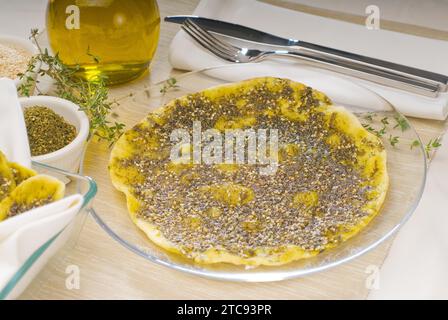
57, 131
15, 54
47, 131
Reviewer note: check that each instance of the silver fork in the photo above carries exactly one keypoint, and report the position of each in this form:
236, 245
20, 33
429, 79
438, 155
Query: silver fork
365, 71
221, 48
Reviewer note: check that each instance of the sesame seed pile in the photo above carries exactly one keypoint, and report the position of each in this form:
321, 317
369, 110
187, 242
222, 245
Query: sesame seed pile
195, 221
13, 61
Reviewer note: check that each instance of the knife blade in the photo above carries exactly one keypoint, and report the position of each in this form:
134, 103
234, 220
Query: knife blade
249, 34
234, 30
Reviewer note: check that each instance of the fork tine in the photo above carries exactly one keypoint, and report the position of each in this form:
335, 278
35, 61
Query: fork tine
208, 45
222, 44
204, 36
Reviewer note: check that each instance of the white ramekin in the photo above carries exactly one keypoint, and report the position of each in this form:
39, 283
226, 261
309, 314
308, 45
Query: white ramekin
69, 157
25, 44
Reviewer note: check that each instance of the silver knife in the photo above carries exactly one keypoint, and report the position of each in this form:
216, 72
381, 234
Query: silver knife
234, 30
436, 82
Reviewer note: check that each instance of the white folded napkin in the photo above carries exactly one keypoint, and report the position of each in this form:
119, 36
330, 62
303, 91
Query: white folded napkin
417, 263
13, 138
9, 226
22, 235
185, 54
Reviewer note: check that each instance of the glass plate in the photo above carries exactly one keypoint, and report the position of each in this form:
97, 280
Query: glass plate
406, 167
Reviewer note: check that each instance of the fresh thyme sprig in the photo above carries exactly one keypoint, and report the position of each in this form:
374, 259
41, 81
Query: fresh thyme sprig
414, 144
90, 95
369, 116
393, 140
169, 84
429, 147
403, 124
379, 133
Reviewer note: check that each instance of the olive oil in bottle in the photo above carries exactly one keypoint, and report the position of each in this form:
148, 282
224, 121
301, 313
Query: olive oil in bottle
114, 38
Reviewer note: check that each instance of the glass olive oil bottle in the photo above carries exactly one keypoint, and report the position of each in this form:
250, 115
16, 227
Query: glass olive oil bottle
114, 38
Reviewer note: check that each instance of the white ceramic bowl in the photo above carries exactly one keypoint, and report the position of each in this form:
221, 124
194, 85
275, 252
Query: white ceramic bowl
22, 43
67, 158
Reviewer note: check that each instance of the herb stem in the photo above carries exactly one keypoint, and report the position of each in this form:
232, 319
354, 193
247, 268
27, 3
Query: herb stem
90, 95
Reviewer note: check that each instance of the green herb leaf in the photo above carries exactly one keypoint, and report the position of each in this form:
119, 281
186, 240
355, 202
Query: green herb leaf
414, 144
393, 140
169, 84
369, 116
431, 145
402, 123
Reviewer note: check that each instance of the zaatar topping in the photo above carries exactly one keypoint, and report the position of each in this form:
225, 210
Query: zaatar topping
47, 131
325, 177
5, 186
18, 208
